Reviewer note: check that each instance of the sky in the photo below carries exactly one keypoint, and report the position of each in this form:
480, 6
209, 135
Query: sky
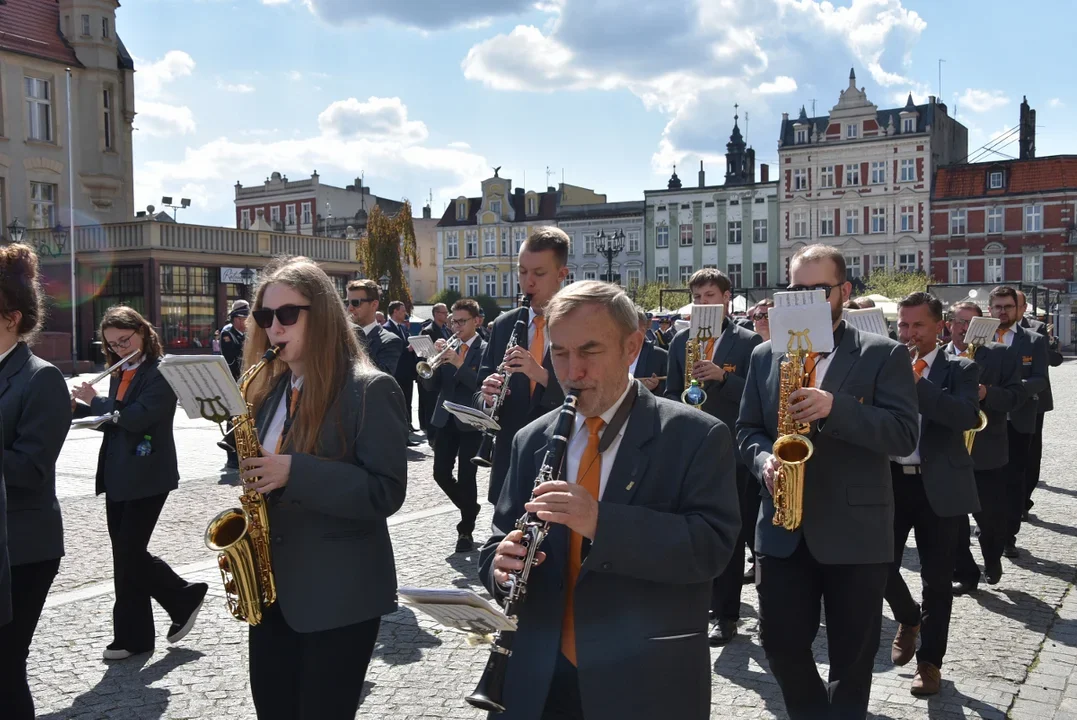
424, 97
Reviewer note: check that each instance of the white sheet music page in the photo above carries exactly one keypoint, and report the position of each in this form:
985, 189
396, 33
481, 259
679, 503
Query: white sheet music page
203, 384
981, 330
801, 317
455, 608
423, 345
708, 319
869, 320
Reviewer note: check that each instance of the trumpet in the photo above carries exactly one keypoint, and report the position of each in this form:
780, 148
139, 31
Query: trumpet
427, 368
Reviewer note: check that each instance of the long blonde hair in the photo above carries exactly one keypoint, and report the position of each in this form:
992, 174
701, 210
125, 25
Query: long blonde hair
331, 348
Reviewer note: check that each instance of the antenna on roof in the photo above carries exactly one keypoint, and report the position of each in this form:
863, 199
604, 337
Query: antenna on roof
941, 61
549, 172
745, 127
813, 107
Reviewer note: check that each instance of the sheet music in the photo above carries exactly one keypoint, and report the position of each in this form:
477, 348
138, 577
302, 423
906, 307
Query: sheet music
802, 314
869, 320
96, 421
423, 345
981, 330
461, 609
203, 383
471, 416
800, 297
707, 318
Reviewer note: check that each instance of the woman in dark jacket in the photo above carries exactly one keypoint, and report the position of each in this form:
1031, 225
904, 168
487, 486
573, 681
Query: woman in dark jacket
136, 469
35, 415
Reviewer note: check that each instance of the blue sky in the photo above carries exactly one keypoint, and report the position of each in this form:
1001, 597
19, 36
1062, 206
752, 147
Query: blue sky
425, 96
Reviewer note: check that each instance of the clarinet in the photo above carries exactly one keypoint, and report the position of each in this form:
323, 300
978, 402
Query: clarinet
484, 457
488, 693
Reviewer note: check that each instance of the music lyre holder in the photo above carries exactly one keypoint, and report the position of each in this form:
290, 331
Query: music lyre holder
217, 413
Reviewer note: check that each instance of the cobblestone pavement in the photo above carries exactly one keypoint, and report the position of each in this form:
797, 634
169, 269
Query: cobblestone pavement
1012, 650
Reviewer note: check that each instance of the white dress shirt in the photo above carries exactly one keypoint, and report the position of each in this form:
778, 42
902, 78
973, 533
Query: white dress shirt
367, 330
1007, 336
914, 458
276, 425
632, 367
578, 444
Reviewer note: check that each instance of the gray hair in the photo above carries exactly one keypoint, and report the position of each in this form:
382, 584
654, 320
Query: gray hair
443, 306
586, 292
641, 316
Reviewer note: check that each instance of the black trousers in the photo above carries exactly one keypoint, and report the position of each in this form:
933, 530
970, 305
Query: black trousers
428, 400
455, 446
935, 540
1016, 470
30, 585
408, 386
991, 487
791, 591
139, 576
725, 595
308, 676
563, 699
1035, 453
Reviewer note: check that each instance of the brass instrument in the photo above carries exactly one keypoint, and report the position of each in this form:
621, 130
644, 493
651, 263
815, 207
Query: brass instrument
792, 447
427, 368
694, 394
970, 435
484, 457
241, 535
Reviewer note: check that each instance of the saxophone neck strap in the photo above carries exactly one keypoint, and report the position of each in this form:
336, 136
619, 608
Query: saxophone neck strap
619, 418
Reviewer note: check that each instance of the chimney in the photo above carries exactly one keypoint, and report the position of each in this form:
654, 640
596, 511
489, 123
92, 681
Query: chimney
426, 212
764, 173
1027, 143
702, 176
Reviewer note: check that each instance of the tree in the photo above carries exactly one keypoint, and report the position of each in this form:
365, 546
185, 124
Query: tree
895, 284
387, 244
447, 296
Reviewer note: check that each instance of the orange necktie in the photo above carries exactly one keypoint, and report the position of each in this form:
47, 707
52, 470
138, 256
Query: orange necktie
918, 367
125, 382
809, 369
708, 351
293, 400
999, 334
588, 476
538, 345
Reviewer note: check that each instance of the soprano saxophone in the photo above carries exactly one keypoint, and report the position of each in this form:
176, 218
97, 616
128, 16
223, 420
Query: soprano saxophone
792, 448
241, 535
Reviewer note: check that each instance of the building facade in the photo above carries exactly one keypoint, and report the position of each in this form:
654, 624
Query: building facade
423, 279
859, 178
40, 39
584, 223
732, 227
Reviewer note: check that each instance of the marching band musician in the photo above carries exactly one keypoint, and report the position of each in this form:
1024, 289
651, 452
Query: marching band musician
861, 403
333, 435
721, 370
456, 380
934, 487
1000, 392
644, 519
651, 360
35, 415
664, 335
533, 389
137, 468
382, 346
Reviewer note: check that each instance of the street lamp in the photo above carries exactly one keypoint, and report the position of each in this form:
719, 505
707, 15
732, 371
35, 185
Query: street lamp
167, 202
609, 246
15, 231
385, 283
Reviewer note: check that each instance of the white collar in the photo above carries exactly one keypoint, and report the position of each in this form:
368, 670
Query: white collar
297, 382
369, 328
531, 314
7, 352
930, 357
608, 415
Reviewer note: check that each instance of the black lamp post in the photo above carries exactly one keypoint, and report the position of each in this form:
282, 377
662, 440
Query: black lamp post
609, 246
385, 283
15, 231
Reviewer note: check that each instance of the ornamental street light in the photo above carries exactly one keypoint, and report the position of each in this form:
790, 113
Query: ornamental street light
15, 231
385, 283
609, 246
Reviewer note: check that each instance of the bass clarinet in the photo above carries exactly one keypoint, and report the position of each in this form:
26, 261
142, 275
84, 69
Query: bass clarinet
484, 457
488, 693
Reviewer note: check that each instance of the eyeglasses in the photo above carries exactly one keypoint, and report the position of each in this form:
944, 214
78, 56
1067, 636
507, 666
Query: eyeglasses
357, 302
458, 321
825, 288
1004, 307
122, 343
756, 317
286, 314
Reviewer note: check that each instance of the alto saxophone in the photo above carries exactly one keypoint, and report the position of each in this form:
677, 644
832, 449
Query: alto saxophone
970, 435
241, 535
792, 447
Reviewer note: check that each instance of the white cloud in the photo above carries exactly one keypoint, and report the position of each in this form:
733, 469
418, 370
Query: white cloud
295, 76
781, 84
460, 145
420, 14
1056, 102
163, 120
982, 100
151, 78
377, 117
241, 88
275, 2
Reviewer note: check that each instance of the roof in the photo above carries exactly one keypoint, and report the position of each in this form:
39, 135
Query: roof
1046, 174
547, 209
821, 122
32, 27
601, 210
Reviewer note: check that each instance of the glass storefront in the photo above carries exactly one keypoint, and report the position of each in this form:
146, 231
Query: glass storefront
188, 306
120, 285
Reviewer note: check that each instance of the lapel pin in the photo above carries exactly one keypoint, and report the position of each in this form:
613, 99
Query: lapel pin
629, 485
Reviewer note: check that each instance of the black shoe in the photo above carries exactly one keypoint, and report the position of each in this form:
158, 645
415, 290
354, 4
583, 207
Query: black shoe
179, 630
963, 588
464, 544
749, 576
1010, 550
225, 446
722, 633
1024, 516
993, 572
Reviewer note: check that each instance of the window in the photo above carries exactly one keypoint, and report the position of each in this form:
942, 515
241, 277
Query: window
826, 222
852, 131
518, 237
289, 214
633, 241
995, 181
85, 25
495, 208
471, 247
472, 285
800, 224
852, 266
852, 175
245, 219
908, 218
994, 220
661, 275
686, 273
490, 283
759, 231
188, 306
38, 109
852, 222
1033, 218
461, 210
959, 270
590, 275
505, 242
880, 262
489, 241
305, 208
878, 220
452, 245
710, 233
532, 205
878, 173
122, 285
106, 100
506, 284
993, 269
633, 277
759, 274
42, 205
105, 33
569, 279
686, 235
908, 170
907, 262
800, 179
802, 136
453, 282
1034, 268
958, 221
588, 243
274, 214
826, 176
662, 236
734, 275
908, 125
734, 232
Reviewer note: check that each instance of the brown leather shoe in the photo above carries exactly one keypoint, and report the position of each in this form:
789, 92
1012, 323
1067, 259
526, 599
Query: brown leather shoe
904, 644
927, 679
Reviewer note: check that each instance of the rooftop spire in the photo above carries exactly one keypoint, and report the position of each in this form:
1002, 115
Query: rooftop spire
852, 77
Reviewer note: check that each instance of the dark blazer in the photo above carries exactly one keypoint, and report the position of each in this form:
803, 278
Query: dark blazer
733, 352
652, 361
148, 408
1054, 359
383, 347
642, 598
948, 396
663, 339
1004, 393
332, 556
521, 406
1030, 351
434, 333
456, 386
848, 494
405, 365
36, 408
5, 566
232, 349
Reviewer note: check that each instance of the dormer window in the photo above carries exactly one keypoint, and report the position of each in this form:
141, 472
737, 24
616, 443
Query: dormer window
908, 125
532, 205
802, 136
852, 131
461, 210
995, 180
495, 207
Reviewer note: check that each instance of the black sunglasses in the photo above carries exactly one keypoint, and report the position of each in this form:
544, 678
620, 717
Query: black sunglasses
825, 288
357, 302
286, 314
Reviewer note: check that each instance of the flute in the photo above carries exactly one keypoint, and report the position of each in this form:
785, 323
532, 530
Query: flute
108, 372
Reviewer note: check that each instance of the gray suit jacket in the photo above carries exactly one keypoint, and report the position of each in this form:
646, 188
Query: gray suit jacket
848, 495
642, 597
948, 396
1030, 351
36, 408
1004, 393
733, 352
383, 347
456, 386
332, 556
